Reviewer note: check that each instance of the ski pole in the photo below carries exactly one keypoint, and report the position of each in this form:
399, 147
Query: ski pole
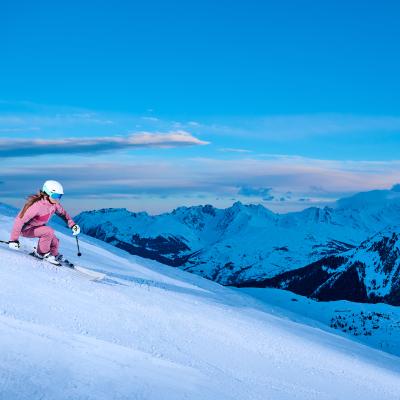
3, 241
77, 244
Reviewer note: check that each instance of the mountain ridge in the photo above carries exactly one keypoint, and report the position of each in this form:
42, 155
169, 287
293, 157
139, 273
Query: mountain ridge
368, 273
245, 242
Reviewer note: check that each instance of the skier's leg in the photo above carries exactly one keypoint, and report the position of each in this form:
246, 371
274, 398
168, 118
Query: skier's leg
45, 235
54, 246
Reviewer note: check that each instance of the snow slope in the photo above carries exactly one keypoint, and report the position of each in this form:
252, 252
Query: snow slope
152, 332
377, 325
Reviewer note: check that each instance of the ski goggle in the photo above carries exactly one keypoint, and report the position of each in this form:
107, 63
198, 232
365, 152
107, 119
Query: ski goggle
56, 196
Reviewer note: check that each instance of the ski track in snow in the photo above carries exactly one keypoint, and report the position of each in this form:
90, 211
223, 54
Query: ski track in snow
154, 332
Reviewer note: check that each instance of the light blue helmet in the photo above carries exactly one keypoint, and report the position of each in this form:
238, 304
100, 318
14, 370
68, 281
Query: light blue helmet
52, 187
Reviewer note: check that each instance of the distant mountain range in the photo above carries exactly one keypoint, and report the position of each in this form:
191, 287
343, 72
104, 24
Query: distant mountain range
369, 273
8, 210
246, 245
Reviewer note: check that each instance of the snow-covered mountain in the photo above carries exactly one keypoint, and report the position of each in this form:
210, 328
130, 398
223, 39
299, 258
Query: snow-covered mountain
244, 243
8, 210
153, 332
368, 273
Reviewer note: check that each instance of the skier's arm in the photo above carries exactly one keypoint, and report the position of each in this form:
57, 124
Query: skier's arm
19, 222
63, 214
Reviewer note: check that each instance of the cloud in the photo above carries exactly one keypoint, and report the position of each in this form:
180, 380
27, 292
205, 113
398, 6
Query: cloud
284, 127
320, 182
19, 130
25, 118
263, 193
55, 120
31, 121
36, 147
153, 119
327, 124
23, 113
234, 150
296, 174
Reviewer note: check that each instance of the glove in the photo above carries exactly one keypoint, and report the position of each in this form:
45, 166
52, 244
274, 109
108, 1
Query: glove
76, 230
14, 245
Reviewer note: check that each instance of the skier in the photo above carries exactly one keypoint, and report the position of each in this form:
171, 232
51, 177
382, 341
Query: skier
31, 221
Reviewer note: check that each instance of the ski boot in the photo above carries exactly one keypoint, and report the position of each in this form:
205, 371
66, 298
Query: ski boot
47, 257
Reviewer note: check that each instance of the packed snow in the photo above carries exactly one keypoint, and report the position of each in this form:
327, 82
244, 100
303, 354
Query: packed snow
149, 331
377, 325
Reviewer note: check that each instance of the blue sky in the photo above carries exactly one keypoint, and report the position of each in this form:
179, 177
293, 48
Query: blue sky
151, 105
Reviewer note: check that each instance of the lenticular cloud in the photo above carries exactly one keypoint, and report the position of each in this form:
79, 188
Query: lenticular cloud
32, 147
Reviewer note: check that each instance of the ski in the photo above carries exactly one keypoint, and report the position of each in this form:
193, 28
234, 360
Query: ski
88, 273
92, 275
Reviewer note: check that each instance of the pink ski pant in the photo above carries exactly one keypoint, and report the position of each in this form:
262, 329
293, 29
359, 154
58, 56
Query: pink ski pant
47, 239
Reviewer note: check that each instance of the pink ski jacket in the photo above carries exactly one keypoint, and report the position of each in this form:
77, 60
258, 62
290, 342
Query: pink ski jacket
38, 214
